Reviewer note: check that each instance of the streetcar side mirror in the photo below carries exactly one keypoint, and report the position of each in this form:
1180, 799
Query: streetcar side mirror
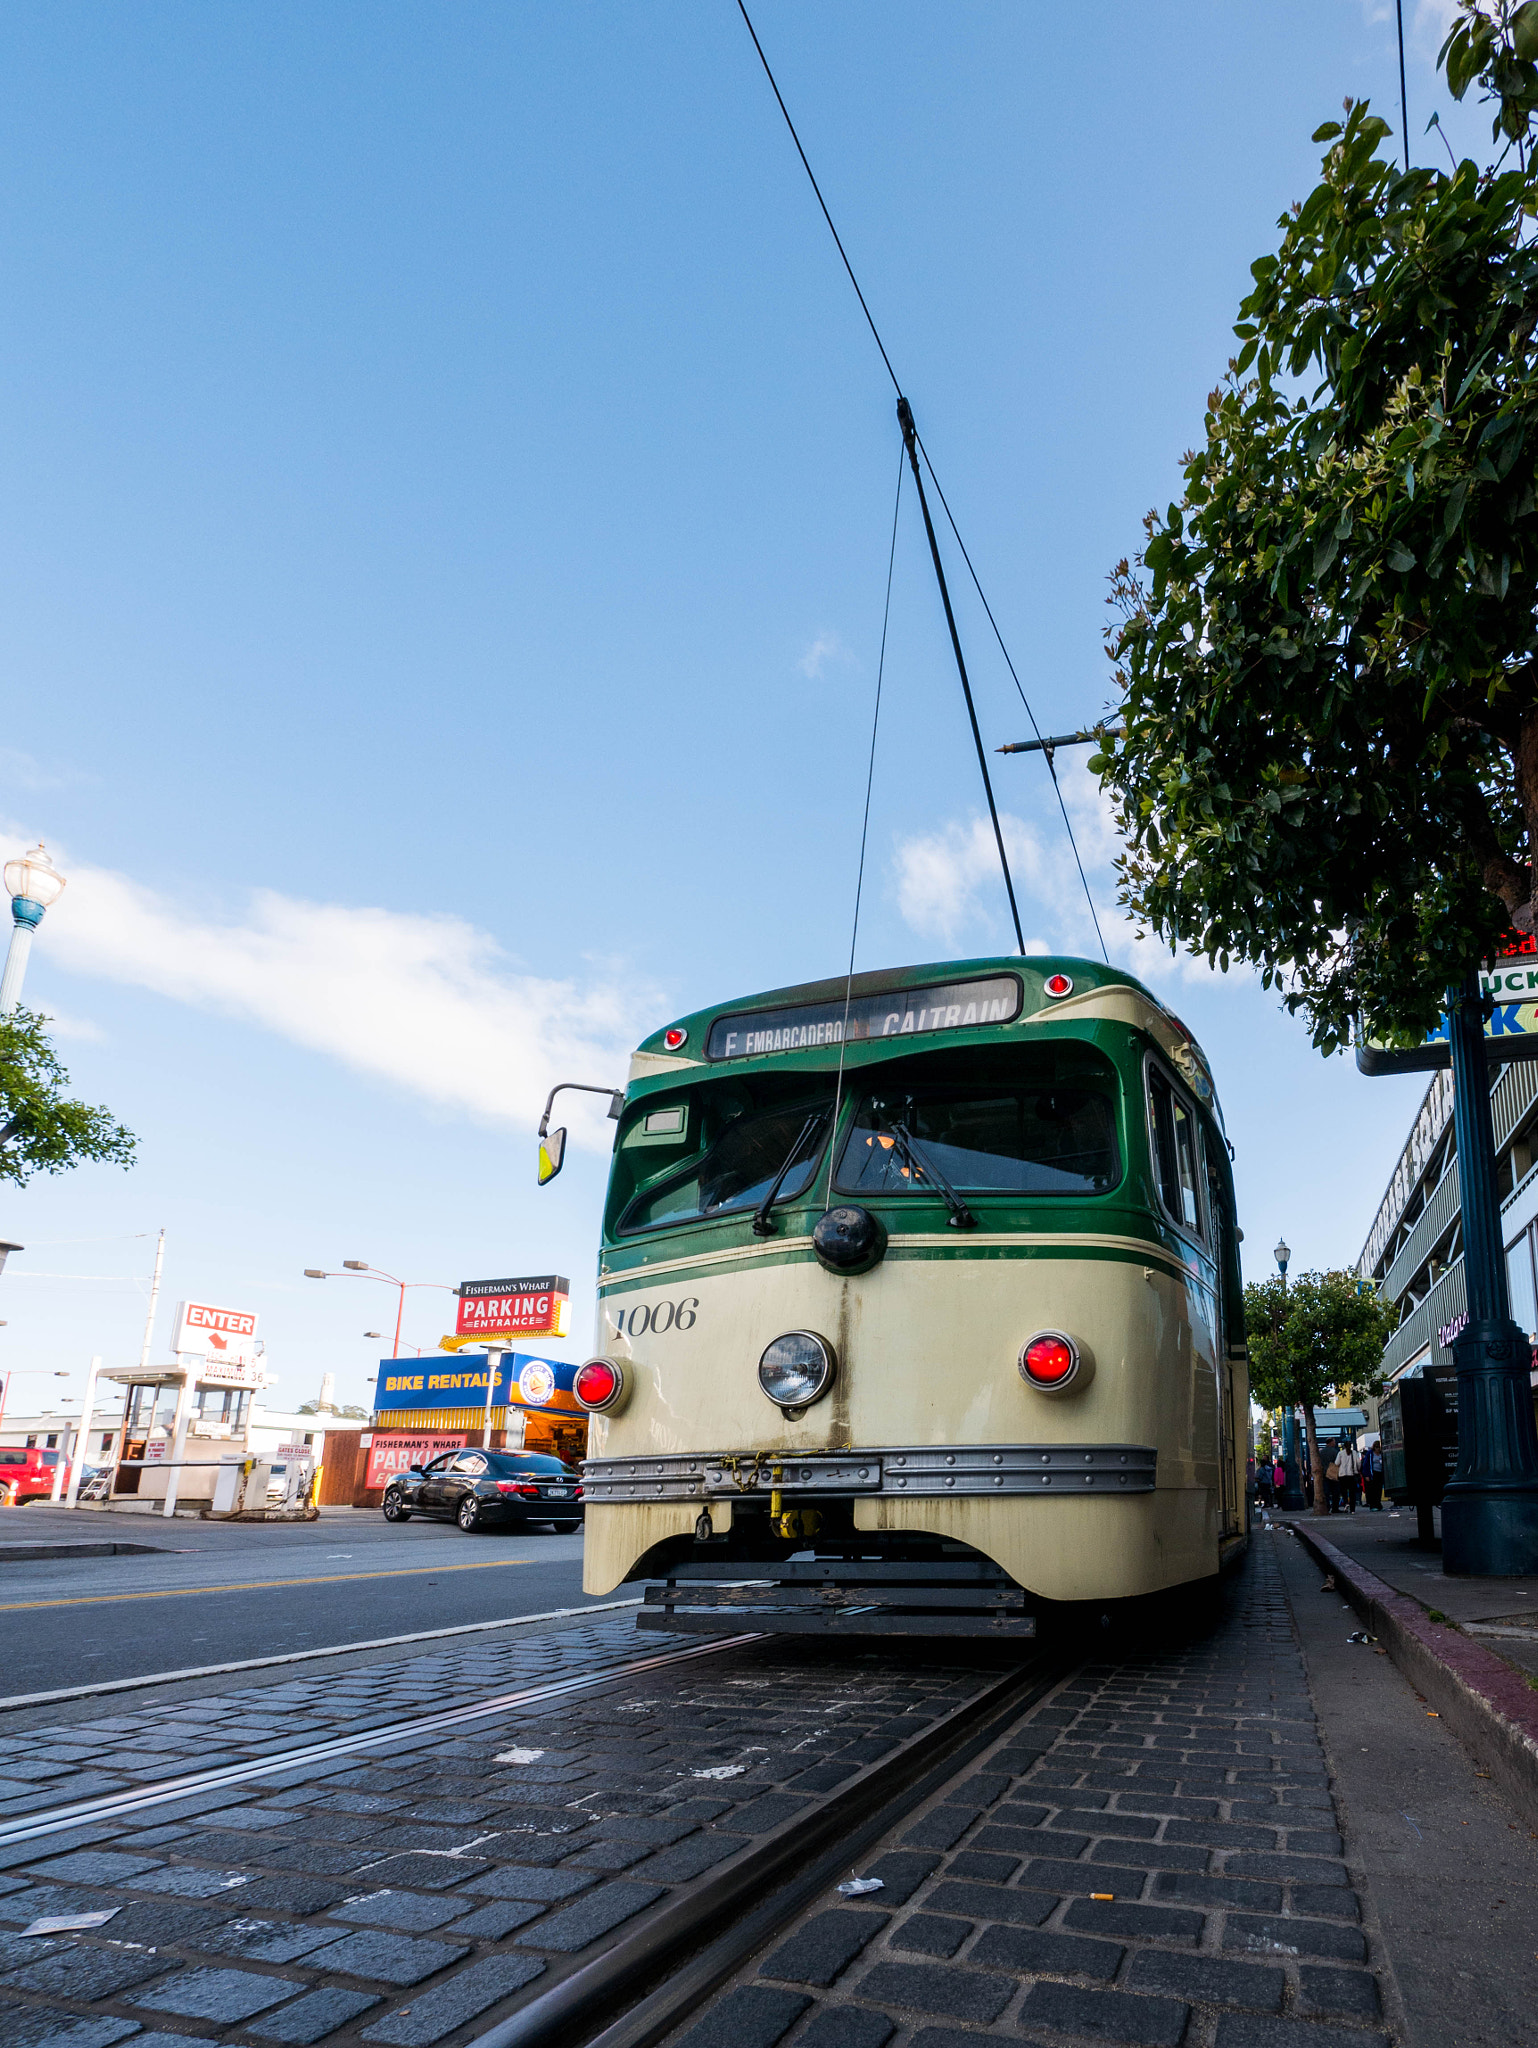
552, 1155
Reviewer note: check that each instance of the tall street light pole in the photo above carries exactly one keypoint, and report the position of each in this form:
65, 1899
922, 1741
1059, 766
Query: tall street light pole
360, 1269
33, 883
1292, 1491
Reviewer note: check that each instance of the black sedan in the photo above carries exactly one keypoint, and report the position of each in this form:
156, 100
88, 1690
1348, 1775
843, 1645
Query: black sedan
481, 1489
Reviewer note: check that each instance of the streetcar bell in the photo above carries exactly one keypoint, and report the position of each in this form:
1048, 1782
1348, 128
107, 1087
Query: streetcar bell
797, 1369
600, 1385
1054, 1363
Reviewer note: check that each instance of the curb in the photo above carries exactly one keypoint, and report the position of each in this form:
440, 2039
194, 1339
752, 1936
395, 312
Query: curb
1482, 1698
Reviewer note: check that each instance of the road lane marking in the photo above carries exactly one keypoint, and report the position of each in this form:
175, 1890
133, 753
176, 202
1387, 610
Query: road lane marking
421, 1635
415, 1571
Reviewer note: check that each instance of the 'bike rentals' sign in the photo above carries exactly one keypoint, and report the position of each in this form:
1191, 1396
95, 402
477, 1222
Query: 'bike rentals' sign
489, 1309
412, 1385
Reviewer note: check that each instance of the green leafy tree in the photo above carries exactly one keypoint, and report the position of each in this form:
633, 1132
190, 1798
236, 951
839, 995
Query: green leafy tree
1327, 650
1309, 1335
41, 1130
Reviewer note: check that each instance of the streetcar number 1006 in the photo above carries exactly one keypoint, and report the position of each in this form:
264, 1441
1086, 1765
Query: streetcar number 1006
658, 1317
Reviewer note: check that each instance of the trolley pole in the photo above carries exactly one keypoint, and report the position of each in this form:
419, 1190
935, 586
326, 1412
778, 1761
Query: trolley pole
1490, 1508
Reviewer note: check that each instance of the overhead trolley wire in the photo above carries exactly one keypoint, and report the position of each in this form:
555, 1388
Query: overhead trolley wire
870, 783
908, 425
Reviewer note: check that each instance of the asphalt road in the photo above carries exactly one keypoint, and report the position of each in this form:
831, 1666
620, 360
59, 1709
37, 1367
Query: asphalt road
216, 1593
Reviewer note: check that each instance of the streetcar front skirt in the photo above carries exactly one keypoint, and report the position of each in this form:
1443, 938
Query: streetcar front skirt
841, 1596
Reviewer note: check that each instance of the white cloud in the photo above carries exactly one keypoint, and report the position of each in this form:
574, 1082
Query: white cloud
825, 648
949, 888
429, 1005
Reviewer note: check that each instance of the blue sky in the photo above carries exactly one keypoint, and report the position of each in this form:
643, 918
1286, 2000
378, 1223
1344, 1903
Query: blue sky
443, 522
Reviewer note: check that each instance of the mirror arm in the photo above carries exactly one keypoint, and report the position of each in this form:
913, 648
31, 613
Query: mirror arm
616, 1100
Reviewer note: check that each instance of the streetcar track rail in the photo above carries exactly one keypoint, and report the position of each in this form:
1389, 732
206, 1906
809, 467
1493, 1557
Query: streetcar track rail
675, 1956
112, 1806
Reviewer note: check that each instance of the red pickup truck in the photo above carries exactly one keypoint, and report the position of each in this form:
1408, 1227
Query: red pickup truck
28, 1474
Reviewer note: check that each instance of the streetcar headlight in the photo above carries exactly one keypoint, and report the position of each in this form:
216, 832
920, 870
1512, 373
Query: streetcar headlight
600, 1385
1054, 1363
797, 1369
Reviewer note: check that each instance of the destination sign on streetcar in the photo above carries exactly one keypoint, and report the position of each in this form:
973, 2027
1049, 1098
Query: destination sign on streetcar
952, 1006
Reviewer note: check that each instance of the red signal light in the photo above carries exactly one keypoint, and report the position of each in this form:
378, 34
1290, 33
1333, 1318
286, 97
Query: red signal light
598, 1384
1050, 1360
1058, 985
674, 1038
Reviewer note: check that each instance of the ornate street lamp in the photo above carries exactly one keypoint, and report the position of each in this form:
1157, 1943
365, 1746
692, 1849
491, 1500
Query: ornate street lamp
33, 883
1292, 1491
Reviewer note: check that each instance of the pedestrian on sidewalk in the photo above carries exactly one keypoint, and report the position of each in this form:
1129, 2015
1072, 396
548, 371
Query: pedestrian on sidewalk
1279, 1482
1332, 1484
1372, 1475
1349, 1466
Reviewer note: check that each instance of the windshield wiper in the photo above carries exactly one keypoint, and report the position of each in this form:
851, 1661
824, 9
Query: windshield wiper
763, 1223
961, 1216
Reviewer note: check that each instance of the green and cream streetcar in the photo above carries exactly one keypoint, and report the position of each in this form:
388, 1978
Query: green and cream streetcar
920, 1306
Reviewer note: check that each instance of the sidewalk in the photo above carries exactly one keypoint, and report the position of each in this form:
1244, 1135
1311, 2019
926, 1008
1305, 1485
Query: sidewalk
1488, 1700
1500, 1613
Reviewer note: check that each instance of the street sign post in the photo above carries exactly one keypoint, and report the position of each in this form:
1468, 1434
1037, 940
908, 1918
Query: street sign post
1490, 1507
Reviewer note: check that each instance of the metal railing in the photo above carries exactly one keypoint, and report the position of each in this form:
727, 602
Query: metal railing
1425, 1233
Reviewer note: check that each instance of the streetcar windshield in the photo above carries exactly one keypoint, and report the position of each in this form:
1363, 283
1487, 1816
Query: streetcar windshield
739, 1169
1009, 1138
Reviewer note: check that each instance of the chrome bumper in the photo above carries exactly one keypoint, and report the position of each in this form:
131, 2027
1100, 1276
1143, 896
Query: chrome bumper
976, 1471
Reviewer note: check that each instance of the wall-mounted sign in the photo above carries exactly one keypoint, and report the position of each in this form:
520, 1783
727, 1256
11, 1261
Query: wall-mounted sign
223, 1333
413, 1384
396, 1452
229, 1372
488, 1309
536, 1383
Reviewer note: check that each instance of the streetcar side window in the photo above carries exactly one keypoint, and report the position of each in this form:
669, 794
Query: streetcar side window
1177, 1153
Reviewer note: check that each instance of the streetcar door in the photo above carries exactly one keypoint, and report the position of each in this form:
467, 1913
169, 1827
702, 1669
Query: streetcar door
1224, 1250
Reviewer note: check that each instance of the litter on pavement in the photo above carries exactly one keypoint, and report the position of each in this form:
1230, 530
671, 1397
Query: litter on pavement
69, 1923
857, 1887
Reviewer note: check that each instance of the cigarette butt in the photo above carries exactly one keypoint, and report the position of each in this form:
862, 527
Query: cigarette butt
1102, 1895
1432, 1714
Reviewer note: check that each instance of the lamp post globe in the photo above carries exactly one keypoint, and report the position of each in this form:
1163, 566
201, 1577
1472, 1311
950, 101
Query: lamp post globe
1283, 1256
33, 884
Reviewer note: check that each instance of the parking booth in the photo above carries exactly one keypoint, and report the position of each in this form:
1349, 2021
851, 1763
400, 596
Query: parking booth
189, 1418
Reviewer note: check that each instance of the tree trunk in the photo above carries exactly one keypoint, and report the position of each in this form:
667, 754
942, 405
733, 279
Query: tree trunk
1315, 1461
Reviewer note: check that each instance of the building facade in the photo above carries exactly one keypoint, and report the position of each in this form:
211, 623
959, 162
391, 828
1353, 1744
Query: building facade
1414, 1251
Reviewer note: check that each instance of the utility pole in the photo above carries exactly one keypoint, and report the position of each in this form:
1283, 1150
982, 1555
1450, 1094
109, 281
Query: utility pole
149, 1320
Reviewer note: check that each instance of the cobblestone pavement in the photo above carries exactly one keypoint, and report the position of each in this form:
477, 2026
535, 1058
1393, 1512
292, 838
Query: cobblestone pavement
48, 1767
1150, 1857
401, 1896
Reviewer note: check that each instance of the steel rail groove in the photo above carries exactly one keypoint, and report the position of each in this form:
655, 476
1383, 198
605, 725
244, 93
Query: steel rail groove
676, 1955
401, 1734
